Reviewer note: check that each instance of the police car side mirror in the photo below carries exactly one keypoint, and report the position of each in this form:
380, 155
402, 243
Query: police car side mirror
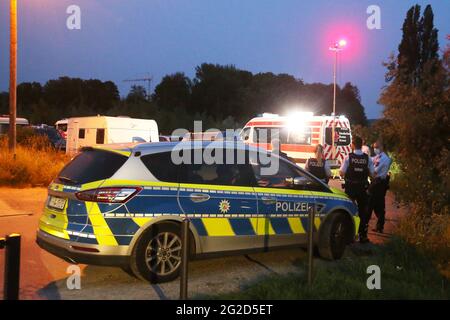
300, 182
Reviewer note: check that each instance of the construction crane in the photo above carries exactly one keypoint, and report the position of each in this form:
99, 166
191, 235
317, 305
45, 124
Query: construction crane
147, 79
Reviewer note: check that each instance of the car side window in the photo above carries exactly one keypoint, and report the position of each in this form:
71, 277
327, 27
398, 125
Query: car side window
227, 174
161, 166
284, 177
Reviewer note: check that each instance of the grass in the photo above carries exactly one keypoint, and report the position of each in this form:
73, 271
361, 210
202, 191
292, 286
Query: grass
35, 163
405, 274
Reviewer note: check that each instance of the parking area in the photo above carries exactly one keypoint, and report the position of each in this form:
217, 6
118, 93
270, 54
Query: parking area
44, 276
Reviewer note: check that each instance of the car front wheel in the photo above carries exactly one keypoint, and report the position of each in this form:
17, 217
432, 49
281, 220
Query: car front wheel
334, 236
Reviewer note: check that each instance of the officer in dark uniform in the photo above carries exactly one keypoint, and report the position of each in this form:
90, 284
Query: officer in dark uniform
356, 169
318, 165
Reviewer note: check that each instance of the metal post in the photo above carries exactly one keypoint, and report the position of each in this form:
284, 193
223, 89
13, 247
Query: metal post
312, 214
334, 104
13, 77
12, 267
184, 259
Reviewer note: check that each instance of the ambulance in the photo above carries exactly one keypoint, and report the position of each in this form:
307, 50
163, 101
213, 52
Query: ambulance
300, 133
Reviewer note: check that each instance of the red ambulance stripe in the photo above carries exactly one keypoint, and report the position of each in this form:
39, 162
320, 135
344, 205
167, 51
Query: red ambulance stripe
280, 123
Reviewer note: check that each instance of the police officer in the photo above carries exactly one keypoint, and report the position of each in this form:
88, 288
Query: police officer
318, 166
356, 168
379, 186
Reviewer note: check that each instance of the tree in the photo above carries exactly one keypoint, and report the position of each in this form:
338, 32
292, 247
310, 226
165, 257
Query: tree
418, 50
416, 107
350, 104
174, 91
218, 90
137, 94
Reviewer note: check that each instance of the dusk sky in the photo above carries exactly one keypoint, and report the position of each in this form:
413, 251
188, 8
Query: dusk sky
122, 39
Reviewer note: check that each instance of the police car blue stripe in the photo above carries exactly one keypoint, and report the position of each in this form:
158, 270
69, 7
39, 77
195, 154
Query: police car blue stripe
122, 226
106, 207
305, 224
75, 226
123, 240
199, 226
88, 228
281, 225
241, 227
141, 204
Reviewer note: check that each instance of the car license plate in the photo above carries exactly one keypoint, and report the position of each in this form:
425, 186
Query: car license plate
56, 203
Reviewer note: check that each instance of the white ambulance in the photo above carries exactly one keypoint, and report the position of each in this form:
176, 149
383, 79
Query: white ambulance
300, 133
99, 130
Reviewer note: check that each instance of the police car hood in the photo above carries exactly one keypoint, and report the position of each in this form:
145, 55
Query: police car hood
338, 191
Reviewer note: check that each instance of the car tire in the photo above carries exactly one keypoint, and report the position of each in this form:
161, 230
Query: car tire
156, 257
334, 235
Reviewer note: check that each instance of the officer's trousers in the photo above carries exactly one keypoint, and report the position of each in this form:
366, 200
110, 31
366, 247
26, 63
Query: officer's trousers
377, 194
359, 195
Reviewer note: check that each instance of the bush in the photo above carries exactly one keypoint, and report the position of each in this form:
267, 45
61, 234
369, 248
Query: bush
36, 162
431, 235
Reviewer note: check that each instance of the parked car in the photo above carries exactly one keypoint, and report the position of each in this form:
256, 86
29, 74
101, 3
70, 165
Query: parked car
123, 207
53, 135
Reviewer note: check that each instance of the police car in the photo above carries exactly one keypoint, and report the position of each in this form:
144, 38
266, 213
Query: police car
123, 206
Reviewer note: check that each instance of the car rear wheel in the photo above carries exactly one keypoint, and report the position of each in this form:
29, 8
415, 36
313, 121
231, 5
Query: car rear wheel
334, 236
157, 256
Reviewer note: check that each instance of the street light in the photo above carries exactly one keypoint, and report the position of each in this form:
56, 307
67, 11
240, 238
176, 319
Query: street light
13, 77
338, 46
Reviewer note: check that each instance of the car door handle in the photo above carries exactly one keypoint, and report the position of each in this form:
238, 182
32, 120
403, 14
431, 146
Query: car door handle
268, 200
199, 197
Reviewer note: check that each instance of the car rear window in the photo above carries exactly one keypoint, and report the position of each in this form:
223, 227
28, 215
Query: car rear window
161, 166
91, 165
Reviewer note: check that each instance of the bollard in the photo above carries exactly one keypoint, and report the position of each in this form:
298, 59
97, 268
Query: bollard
184, 259
12, 267
312, 213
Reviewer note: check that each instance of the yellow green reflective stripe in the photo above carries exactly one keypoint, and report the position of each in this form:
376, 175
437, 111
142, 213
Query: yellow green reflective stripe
296, 225
216, 187
141, 221
126, 153
282, 191
357, 221
101, 229
218, 227
124, 182
317, 222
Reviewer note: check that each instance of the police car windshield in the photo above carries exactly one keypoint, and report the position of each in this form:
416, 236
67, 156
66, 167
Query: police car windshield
91, 165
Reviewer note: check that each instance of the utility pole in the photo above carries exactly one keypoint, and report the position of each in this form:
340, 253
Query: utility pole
338, 46
13, 77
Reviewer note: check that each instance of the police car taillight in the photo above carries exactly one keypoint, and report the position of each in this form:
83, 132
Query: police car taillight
108, 195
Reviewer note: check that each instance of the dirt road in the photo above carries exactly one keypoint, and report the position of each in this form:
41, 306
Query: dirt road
44, 276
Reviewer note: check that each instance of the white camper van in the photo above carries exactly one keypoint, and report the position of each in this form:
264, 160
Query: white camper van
4, 123
91, 131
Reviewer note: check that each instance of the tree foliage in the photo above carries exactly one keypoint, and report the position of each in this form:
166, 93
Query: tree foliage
416, 109
219, 95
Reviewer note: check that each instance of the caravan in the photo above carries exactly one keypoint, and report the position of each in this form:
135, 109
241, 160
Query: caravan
4, 123
99, 130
